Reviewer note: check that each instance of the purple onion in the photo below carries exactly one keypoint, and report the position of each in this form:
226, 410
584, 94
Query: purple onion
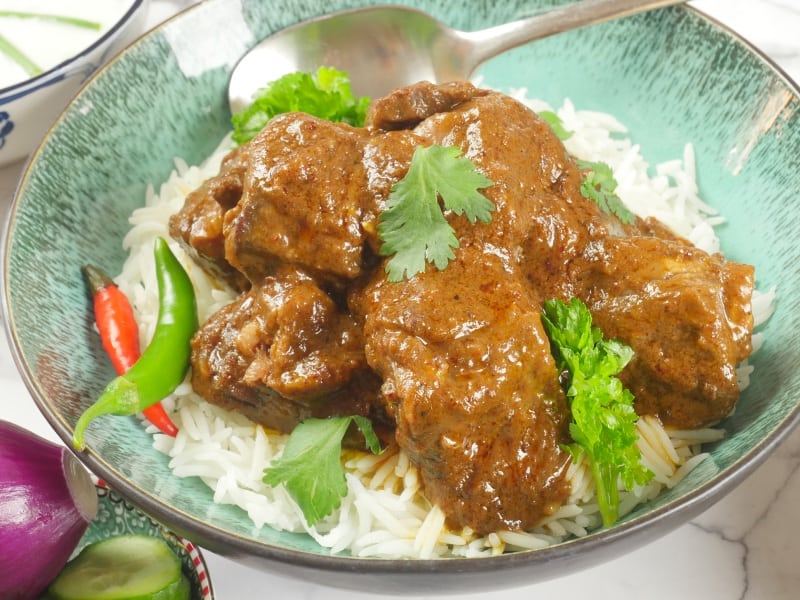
47, 500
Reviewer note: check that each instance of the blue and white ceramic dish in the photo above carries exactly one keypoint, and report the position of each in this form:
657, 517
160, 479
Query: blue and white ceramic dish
29, 107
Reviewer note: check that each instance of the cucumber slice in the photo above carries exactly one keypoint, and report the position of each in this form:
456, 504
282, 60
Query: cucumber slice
125, 567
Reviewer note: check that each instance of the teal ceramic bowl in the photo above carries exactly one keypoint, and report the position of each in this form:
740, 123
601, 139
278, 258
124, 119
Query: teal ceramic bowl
117, 516
672, 76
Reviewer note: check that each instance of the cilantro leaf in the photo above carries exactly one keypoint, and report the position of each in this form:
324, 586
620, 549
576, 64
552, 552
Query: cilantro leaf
326, 95
310, 466
603, 419
557, 125
412, 227
599, 185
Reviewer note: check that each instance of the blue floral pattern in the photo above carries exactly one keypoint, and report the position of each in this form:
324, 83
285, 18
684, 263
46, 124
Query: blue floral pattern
6, 127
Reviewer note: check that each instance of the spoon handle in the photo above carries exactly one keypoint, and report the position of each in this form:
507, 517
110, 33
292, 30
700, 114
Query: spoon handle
483, 44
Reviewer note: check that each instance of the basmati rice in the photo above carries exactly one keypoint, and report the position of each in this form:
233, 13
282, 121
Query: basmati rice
385, 513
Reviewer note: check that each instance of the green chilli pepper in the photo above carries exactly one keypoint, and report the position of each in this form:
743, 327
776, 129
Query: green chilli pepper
163, 364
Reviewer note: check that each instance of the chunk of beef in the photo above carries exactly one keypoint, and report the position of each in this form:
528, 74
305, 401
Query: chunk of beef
473, 389
301, 202
282, 352
407, 106
198, 225
686, 314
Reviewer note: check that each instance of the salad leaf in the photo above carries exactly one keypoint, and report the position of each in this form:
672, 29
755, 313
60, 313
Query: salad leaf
599, 185
413, 227
603, 420
310, 466
325, 94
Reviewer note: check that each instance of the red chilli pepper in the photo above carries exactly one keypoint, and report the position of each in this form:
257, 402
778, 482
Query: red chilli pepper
119, 334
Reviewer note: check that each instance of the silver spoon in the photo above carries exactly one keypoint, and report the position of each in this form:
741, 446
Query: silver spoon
384, 47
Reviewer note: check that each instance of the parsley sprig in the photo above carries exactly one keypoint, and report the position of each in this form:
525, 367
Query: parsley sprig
603, 419
413, 227
310, 466
325, 94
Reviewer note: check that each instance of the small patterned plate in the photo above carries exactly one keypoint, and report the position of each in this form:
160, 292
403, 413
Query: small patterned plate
117, 516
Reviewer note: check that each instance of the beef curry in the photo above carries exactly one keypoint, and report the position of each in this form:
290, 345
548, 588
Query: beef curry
453, 364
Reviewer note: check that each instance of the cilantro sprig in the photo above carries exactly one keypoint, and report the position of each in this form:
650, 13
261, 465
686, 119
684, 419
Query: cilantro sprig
603, 419
325, 94
600, 185
413, 227
556, 124
310, 466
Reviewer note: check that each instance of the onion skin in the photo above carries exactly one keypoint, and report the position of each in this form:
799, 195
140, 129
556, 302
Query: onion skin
47, 501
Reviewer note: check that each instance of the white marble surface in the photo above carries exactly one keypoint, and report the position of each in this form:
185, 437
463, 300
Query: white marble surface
744, 548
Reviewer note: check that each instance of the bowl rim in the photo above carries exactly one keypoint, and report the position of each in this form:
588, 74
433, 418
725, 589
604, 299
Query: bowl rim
574, 554
31, 84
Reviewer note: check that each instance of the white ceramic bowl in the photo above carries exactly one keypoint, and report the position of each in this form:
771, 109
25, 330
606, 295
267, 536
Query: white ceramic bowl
28, 108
